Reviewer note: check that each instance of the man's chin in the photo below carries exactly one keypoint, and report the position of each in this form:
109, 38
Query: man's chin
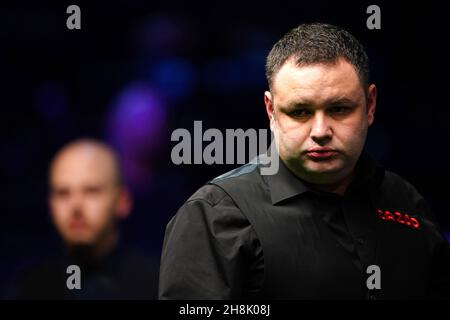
325, 168
79, 241
320, 173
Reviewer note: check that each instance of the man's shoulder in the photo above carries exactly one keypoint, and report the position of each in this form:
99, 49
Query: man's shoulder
246, 172
397, 193
213, 201
395, 184
43, 279
215, 190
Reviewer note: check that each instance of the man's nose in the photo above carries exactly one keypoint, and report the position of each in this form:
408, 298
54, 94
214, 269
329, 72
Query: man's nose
76, 204
321, 130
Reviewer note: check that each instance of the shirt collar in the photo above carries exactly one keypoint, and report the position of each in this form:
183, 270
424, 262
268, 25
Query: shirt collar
285, 184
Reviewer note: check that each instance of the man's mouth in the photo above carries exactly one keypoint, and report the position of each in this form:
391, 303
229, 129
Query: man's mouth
77, 225
324, 153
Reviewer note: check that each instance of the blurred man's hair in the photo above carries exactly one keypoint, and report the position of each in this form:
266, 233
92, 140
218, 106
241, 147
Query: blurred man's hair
318, 43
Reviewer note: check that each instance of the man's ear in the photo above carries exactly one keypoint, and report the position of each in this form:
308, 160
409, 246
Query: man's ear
125, 203
371, 103
268, 101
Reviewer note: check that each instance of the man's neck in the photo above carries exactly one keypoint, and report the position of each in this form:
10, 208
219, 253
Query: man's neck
106, 246
97, 251
338, 187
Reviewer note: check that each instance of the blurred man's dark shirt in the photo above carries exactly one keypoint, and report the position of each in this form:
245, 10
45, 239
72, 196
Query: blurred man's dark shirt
123, 274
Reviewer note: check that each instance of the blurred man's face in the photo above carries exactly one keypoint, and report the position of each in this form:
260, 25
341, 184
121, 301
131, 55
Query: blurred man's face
85, 195
318, 112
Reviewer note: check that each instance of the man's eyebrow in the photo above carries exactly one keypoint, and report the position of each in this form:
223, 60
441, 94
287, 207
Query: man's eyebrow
59, 189
331, 102
299, 105
340, 101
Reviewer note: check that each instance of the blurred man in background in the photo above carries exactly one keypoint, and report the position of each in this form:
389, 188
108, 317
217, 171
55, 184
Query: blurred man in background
87, 199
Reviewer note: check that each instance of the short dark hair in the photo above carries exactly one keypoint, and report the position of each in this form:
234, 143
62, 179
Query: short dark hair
318, 43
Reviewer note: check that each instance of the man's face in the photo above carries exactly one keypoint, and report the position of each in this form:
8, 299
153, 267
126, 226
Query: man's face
319, 116
84, 195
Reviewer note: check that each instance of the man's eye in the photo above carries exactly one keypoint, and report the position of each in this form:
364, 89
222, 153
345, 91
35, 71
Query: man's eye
60, 193
300, 113
339, 110
92, 190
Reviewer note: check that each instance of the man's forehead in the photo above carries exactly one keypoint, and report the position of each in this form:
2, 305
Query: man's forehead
313, 82
83, 163
80, 176
317, 71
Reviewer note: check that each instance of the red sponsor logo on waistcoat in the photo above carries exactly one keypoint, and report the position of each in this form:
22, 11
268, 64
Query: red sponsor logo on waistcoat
399, 217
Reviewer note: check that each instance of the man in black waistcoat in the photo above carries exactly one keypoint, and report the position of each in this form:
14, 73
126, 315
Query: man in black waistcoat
329, 223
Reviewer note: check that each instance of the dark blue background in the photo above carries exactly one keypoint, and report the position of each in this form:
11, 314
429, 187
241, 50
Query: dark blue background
138, 65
